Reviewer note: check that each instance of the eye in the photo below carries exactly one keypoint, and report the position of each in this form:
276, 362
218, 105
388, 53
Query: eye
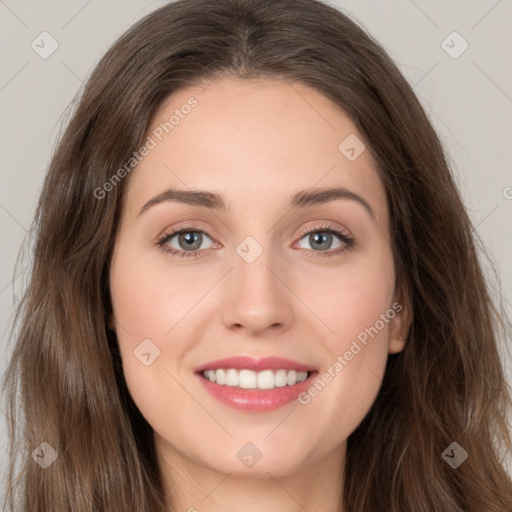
321, 237
189, 240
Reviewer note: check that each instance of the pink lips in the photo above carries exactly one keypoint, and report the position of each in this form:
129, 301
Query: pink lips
256, 400
256, 365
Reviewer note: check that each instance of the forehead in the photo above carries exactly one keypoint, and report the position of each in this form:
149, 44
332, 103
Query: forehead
255, 142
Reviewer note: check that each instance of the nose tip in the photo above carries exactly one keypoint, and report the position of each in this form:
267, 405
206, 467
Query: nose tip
256, 299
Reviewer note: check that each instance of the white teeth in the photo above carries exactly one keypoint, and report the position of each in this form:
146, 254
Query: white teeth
211, 374
247, 379
265, 379
220, 376
291, 378
231, 378
280, 378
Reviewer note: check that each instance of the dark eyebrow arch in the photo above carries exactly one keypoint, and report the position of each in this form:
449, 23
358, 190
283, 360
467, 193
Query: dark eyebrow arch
301, 199
325, 195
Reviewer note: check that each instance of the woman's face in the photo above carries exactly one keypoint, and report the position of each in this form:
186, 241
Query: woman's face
260, 276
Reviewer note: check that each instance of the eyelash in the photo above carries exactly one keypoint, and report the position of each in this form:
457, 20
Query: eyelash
325, 228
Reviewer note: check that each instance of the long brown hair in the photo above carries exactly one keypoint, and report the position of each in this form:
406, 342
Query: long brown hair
446, 386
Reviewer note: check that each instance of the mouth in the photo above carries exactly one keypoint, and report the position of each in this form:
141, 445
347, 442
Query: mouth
255, 385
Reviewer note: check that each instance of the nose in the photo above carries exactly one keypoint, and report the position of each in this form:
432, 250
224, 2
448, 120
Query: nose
257, 296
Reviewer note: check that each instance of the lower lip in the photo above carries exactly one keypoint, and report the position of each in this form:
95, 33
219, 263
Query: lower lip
257, 400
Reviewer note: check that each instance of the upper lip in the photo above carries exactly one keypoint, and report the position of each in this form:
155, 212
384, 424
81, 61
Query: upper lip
264, 363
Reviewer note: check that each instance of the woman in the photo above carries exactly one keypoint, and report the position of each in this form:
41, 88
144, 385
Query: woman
255, 285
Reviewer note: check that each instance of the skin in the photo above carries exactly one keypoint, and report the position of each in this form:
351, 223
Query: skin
256, 142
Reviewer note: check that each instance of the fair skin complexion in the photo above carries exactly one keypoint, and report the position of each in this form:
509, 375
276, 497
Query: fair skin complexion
256, 143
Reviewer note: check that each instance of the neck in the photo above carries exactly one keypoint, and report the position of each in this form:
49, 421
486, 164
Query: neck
195, 487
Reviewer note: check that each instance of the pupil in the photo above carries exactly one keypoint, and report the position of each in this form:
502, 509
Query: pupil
322, 238
190, 238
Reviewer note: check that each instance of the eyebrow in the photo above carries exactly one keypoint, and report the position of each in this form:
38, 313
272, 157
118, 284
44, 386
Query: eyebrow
300, 199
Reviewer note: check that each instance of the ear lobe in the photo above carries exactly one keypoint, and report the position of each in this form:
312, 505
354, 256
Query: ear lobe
401, 322
396, 345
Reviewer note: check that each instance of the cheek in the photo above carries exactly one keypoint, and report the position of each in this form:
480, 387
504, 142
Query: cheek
150, 307
150, 299
353, 299
359, 313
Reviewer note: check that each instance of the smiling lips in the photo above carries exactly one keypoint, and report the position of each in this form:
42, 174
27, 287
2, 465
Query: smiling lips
255, 385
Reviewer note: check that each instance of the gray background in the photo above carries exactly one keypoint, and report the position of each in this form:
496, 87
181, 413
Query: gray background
468, 99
